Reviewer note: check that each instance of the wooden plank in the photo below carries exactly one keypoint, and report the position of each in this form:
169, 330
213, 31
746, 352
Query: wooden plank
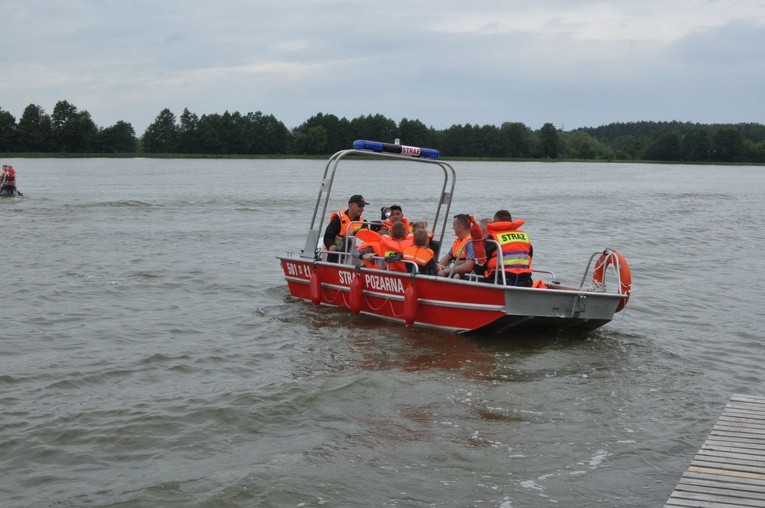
735, 437
729, 468
710, 448
750, 448
757, 446
742, 413
747, 398
707, 453
724, 478
720, 482
720, 491
744, 422
745, 403
715, 498
751, 411
745, 408
741, 416
695, 503
743, 430
726, 472
757, 472
756, 412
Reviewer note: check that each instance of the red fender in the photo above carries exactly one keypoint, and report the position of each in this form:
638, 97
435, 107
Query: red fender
356, 300
314, 288
477, 236
410, 305
612, 257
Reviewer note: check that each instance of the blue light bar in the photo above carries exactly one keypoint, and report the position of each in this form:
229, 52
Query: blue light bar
377, 146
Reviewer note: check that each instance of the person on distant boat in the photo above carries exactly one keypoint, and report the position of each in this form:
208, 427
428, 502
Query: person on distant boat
339, 224
392, 215
8, 181
516, 247
461, 254
420, 254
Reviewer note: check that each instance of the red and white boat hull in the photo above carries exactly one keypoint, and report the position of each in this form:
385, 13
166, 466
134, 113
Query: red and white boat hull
447, 304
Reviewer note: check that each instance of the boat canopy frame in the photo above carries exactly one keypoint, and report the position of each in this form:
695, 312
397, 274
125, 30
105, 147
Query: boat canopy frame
312, 250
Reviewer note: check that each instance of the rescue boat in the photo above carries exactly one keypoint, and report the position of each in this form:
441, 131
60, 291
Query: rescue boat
465, 306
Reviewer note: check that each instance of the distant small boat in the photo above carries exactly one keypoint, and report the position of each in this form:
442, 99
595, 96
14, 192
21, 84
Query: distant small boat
458, 305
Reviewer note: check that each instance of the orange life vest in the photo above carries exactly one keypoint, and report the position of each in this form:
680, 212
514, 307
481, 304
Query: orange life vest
10, 176
377, 248
460, 245
392, 247
515, 246
345, 222
421, 256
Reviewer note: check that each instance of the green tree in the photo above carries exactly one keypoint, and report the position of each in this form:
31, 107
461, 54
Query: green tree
338, 132
276, 134
415, 133
517, 140
550, 142
456, 141
374, 128
221, 134
695, 146
252, 133
7, 131
665, 146
161, 136
188, 139
263, 134
581, 145
35, 132
312, 141
728, 144
488, 141
119, 138
73, 131
754, 152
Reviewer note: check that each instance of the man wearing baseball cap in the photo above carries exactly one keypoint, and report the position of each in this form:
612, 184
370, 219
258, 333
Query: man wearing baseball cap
340, 222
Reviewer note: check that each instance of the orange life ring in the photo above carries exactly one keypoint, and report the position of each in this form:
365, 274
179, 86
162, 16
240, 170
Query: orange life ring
612, 257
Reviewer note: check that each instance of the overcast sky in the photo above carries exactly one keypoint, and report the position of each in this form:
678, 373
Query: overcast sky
573, 63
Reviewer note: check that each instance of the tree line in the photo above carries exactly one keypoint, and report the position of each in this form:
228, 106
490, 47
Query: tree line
68, 130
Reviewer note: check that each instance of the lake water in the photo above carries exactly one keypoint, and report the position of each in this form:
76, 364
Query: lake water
151, 354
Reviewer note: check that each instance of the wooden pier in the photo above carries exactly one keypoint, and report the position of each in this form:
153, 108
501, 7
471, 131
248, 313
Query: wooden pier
729, 470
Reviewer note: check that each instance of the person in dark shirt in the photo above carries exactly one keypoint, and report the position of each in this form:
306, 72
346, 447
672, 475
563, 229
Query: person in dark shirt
339, 225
